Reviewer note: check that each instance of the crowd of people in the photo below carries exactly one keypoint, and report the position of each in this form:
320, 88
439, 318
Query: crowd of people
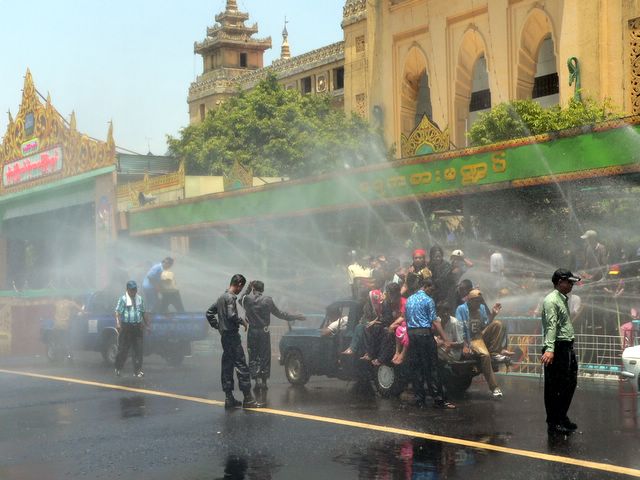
420, 313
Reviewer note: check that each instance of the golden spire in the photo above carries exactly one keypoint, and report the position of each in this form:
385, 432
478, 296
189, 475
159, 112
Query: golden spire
110, 141
232, 6
72, 121
28, 79
29, 89
285, 52
10, 117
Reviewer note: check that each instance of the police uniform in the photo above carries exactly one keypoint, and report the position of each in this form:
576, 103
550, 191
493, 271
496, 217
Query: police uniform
232, 352
259, 309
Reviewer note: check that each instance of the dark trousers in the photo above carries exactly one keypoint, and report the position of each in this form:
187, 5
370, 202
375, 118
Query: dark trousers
379, 343
259, 349
171, 297
423, 357
233, 358
560, 380
131, 335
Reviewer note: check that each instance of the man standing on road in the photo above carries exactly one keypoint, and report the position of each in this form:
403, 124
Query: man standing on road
423, 352
259, 309
558, 357
233, 358
131, 319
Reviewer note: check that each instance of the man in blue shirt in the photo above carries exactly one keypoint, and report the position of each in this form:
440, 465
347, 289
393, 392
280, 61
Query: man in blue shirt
422, 323
131, 319
151, 283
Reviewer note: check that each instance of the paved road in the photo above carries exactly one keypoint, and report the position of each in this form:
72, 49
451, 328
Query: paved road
87, 424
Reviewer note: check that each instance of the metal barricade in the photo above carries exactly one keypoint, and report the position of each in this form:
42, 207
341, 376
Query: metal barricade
597, 354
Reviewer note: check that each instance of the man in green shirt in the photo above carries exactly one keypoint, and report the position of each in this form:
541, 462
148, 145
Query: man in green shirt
558, 357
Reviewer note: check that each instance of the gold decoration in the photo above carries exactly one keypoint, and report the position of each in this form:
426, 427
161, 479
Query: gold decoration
426, 134
634, 39
128, 193
239, 177
81, 153
321, 83
361, 105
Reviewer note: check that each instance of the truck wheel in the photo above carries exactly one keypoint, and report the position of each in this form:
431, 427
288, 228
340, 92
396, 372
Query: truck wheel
389, 382
55, 351
174, 358
295, 369
110, 349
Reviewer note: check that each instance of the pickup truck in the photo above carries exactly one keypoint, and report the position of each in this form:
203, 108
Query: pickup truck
94, 329
308, 351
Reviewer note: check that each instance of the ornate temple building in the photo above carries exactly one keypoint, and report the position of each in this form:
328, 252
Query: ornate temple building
233, 58
57, 198
447, 60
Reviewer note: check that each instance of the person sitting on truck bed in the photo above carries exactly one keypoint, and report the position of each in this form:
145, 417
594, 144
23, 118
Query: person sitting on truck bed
484, 336
336, 322
151, 283
169, 293
379, 337
454, 329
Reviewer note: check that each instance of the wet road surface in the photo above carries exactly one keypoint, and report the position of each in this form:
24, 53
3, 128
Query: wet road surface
57, 428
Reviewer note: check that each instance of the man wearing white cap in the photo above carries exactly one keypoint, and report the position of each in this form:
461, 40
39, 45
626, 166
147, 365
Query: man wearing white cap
596, 256
459, 264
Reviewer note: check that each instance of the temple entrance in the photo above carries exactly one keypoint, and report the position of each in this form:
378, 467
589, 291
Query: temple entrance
55, 249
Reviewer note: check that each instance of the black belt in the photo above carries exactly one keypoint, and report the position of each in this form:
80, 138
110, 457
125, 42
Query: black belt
420, 331
259, 329
564, 343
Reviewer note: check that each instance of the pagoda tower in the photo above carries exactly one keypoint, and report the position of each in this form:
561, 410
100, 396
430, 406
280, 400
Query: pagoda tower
228, 50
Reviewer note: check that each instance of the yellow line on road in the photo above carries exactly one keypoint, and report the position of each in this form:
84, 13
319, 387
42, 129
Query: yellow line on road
348, 423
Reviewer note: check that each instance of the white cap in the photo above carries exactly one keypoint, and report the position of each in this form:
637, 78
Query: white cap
457, 253
589, 234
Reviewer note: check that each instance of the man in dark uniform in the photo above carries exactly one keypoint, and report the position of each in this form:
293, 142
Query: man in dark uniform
228, 323
558, 357
259, 308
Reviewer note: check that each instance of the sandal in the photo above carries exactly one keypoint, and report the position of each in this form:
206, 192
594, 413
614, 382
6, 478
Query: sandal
445, 405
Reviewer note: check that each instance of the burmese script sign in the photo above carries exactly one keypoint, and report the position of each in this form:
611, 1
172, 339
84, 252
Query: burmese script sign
605, 152
32, 167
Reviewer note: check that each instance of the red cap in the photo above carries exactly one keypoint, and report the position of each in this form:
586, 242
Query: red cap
419, 253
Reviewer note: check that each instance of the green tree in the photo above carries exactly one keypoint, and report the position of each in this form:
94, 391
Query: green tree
522, 118
277, 132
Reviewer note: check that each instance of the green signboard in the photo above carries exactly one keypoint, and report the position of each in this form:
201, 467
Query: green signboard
609, 150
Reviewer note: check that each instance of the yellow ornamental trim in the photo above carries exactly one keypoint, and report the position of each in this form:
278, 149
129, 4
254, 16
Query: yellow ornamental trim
427, 136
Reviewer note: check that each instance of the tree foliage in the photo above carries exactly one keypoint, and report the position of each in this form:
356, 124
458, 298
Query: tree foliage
277, 132
522, 118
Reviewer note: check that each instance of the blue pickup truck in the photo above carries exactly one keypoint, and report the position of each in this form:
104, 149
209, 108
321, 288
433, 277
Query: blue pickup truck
94, 329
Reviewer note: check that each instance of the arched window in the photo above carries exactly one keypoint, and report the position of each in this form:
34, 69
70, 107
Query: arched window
546, 85
537, 64
415, 92
472, 92
480, 92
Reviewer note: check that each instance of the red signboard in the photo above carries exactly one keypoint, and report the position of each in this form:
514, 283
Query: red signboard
32, 167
